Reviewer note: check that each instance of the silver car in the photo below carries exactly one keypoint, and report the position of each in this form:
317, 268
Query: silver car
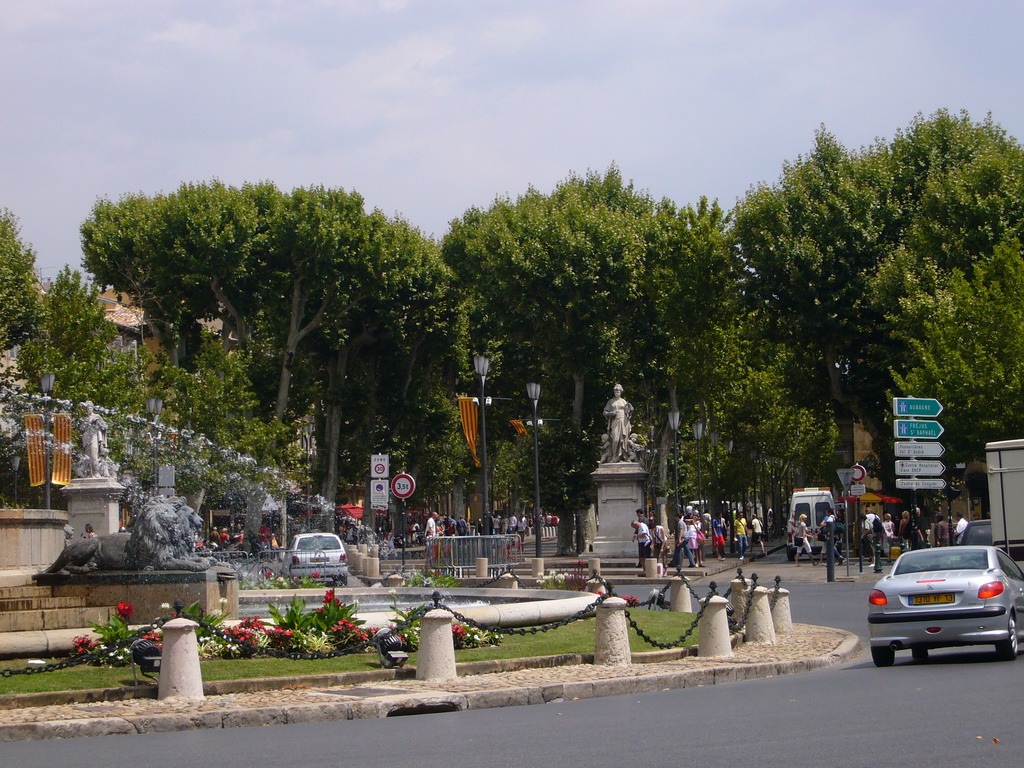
946, 596
320, 556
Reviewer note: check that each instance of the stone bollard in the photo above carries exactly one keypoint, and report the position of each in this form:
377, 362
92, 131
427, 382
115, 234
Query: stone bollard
507, 581
760, 628
373, 551
738, 596
679, 598
781, 617
713, 629
372, 565
437, 647
611, 637
394, 580
650, 568
481, 567
180, 676
596, 586
355, 560
537, 566
594, 565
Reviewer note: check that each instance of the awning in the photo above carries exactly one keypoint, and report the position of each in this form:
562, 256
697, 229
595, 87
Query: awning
350, 510
872, 498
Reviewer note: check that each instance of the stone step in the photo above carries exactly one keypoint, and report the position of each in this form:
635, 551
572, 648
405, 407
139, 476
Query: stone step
36, 603
25, 591
56, 618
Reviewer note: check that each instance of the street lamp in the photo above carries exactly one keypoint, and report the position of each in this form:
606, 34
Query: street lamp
15, 463
698, 432
481, 364
673, 423
46, 387
533, 393
155, 405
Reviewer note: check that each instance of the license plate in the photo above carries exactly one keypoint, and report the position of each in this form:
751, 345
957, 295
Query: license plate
932, 599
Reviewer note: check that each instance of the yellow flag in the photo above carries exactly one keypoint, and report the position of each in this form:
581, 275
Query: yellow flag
61, 473
468, 410
36, 448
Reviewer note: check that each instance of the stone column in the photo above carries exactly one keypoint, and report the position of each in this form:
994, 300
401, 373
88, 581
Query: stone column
781, 617
437, 647
650, 568
738, 597
760, 628
537, 565
594, 565
180, 676
713, 629
355, 560
679, 597
372, 568
611, 638
481, 568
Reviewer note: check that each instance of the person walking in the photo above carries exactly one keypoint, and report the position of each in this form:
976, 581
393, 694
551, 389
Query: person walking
757, 533
679, 542
889, 534
740, 533
660, 544
642, 537
940, 531
802, 541
718, 535
692, 544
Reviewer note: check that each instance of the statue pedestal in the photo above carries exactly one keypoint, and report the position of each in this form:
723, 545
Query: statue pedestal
94, 500
619, 495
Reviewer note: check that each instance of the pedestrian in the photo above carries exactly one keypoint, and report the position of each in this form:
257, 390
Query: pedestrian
431, 530
740, 535
513, 523
867, 538
89, 532
961, 526
802, 541
679, 543
660, 553
718, 535
940, 531
757, 532
642, 537
888, 534
487, 524
692, 543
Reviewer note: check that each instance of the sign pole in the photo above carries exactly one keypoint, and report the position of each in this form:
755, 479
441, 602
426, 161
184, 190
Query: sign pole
405, 531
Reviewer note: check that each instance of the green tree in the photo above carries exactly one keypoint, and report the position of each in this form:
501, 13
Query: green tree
19, 291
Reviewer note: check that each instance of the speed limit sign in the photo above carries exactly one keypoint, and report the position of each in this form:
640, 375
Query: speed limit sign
403, 486
859, 473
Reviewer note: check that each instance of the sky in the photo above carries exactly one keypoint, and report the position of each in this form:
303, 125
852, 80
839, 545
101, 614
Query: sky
430, 108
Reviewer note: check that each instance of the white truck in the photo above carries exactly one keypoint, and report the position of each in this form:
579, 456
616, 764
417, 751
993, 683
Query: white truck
1006, 495
813, 502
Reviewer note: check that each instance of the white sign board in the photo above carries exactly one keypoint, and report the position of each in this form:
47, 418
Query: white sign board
858, 489
926, 468
379, 494
379, 465
918, 450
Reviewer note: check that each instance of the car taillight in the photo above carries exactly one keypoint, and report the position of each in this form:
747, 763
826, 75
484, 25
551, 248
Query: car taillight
295, 559
877, 597
342, 558
992, 589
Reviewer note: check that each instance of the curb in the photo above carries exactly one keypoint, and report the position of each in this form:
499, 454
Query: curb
400, 703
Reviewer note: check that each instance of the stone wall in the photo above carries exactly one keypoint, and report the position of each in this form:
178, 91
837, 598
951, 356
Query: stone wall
30, 539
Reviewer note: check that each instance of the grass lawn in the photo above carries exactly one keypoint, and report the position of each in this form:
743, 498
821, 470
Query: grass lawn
577, 637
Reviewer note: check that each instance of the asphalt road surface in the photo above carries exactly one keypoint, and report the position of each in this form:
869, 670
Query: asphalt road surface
959, 708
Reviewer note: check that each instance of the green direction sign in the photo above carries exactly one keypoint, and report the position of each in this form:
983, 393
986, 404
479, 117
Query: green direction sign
922, 407
912, 429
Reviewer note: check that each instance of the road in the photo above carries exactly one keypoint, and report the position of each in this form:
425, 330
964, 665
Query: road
946, 712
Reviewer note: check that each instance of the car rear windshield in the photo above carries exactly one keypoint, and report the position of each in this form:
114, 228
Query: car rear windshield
313, 543
945, 559
978, 534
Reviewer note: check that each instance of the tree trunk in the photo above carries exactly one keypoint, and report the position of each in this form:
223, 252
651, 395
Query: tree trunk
296, 333
577, 401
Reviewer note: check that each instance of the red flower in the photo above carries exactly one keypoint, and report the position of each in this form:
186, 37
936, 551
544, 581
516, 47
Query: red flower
125, 610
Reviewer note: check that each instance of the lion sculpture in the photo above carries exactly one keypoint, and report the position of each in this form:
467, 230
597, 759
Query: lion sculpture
162, 539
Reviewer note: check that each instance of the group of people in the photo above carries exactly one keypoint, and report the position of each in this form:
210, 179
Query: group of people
694, 532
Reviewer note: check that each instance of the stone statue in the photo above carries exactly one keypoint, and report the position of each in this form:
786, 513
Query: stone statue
95, 460
163, 538
620, 444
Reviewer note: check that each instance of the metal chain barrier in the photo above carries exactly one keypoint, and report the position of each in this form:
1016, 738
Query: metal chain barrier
677, 643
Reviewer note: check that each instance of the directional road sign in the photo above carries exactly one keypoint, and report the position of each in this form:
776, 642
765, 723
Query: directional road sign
379, 494
918, 450
379, 465
922, 407
926, 468
920, 483
913, 429
403, 485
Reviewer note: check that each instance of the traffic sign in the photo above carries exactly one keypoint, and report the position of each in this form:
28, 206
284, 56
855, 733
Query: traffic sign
924, 407
918, 450
927, 468
920, 483
858, 489
845, 476
859, 473
913, 429
379, 494
379, 465
403, 486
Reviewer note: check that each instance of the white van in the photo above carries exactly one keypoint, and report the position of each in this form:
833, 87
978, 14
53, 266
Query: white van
813, 502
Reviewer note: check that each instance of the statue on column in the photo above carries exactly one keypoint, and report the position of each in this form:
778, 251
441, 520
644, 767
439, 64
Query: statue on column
618, 443
95, 461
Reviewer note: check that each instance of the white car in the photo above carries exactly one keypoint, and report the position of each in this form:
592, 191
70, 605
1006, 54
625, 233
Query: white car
319, 556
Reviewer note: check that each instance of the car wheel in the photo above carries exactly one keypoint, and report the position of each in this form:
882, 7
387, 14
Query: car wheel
1006, 649
919, 654
882, 655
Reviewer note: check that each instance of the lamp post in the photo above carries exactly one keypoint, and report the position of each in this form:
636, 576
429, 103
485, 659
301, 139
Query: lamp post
698, 432
155, 405
481, 364
673, 423
46, 387
15, 464
533, 393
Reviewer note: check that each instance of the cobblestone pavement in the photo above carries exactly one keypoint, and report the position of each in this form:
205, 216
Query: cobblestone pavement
806, 648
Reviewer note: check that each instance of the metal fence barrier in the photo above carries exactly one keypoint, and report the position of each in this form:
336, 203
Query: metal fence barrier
253, 567
455, 554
